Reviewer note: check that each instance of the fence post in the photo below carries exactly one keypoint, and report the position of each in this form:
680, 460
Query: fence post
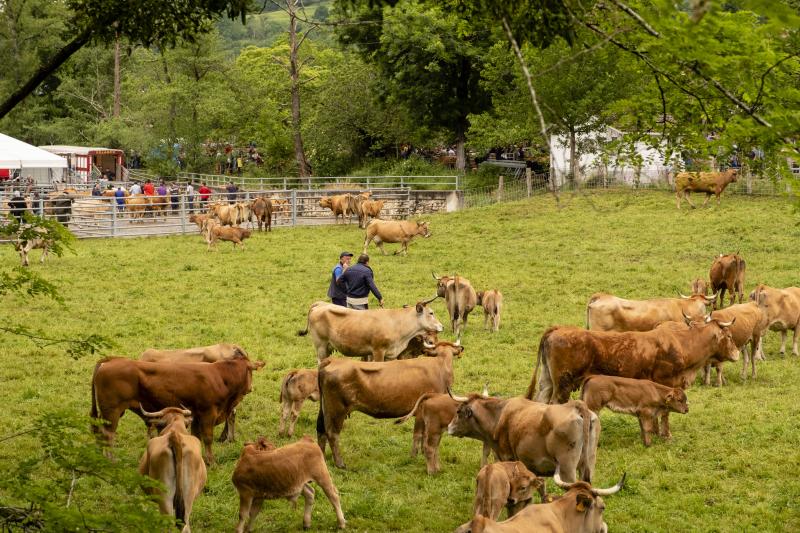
500, 188
285, 187
528, 180
294, 207
183, 214
458, 181
367, 182
114, 208
402, 182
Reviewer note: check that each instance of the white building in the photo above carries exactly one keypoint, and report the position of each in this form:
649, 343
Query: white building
23, 159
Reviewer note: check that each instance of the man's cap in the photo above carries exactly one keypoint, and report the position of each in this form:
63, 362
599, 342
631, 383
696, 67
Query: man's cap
345, 254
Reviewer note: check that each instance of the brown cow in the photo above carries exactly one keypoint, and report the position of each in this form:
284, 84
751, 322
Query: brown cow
381, 334
136, 206
699, 286
579, 510
606, 312
727, 272
416, 346
751, 324
380, 390
460, 299
297, 387
782, 309
355, 201
369, 209
225, 214
401, 231
546, 438
433, 412
339, 204
210, 390
159, 205
492, 303
231, 234
668, 355
646, 400
202, 354
707, 182
262, 211
264, 472
175, 459
200, 220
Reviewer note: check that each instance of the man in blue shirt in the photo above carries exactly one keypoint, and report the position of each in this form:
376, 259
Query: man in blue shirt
336, 293
358, 282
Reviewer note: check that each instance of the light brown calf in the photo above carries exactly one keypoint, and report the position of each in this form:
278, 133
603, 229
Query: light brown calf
782, 308
199, 220
297, 386
492, 303
266, 473
232, 234
751, 323
506, 484
639, 397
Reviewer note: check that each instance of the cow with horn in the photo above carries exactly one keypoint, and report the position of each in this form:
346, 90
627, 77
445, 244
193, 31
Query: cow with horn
606, 312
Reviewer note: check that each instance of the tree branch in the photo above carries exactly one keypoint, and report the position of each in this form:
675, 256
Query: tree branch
637, 17
729, 95
757, 100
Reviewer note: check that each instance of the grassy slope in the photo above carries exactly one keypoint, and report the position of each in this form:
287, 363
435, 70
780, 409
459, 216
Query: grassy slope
730, 467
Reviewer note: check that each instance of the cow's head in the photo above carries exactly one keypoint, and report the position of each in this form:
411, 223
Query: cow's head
261, 445
584, 504
441, 283
444, 349
699, 286
722, 344
426, 318
325, 201
523, 482
480, 297
733, 173
676, 400
167, 416
465, 423
422, 229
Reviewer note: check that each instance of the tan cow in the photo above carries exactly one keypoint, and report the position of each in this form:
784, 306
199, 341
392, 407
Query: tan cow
380, 390
297, 387
369, 209
379, 334
707, 182
606, 312
579, 510
233, 234
401, 231
751, 324
339, 204
226, 214
782, 309
699, 286
26, 242
546, 438
492, 303
262, 211
199, 219
159, 205
264, 472
201, 354
175, 459
136, 206
460, 299
279, 206
727, 272
642, 398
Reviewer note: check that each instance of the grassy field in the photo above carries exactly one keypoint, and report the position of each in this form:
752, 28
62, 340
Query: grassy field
731, 465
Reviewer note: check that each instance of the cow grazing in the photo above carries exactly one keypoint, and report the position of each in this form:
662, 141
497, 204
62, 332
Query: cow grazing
492, 303
31, 238
433, 412
340, 205
668, 355
707, 182
231, 234
699, 286
175, 459
390, 231
380, 334
506, 484
782, 309
264, 472
546, 438
579, 510
369, 209
380, 390
209, 390
202, 354
460, 299
646, 400
727, 272
297, 387
750, 324
606, 312
262, 211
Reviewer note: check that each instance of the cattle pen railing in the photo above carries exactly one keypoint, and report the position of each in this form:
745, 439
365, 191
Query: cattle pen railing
441, 182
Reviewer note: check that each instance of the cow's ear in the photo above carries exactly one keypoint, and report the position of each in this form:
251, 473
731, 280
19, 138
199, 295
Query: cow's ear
468, 411
584, 502
419, 308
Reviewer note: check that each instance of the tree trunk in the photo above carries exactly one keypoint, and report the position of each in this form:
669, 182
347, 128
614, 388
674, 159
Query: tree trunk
116, 78
461, 160
573, 160
294, 73
44, 72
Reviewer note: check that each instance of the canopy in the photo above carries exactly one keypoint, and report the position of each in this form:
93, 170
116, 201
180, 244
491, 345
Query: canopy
17, 154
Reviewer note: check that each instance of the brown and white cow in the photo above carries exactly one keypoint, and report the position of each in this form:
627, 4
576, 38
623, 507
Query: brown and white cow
297, 387
382, 334
782, 309
264, 472
380, 390
544, 437
459, 298
340, 205
579, 510
606, 312
175, 459
209, 390
31, 238
751, 324
707, 182
391, 231
262, 211
492, 303
727, 273
668, 355
642, 398
201, 354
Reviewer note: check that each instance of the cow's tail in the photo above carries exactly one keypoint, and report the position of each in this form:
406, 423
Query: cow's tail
413, 411
176, 446
588, 313
304, 332
321, 414
285, 384
541, 358
94, 413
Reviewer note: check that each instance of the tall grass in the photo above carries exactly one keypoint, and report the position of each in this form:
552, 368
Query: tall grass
731, 465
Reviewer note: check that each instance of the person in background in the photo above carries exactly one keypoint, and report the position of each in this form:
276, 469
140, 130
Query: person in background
336, 293
232, 190
149, 189
136, 188
358, 281
174, 197
162, 189
119, 194
96, 190
18, 206
205, 194
190, 196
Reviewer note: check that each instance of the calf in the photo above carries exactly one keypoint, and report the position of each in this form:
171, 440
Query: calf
266, 473
417, 345
199, 220
639, 397
782, 309
175, 459
750, 325
297, 386
31, 238
727, 272
707, 182
459, 298
492, 302
506, 484
232, 234
699, 286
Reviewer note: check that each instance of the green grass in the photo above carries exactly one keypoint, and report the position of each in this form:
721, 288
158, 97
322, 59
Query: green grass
732, 463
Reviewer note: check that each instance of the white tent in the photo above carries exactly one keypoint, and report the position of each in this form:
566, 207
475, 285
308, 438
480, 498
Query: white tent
31, 161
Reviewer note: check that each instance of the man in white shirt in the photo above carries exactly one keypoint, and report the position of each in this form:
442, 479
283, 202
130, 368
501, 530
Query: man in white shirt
190, 196
136, 189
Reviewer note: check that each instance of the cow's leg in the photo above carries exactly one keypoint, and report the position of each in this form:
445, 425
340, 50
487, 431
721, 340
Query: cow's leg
485, 454
783, 343
755, 347
794, 338
379, 243
567, 464
688, 200
720, 375
367, 240
733, 297
665, 432
308, 496
294, 414
286, 410
229, 431
323, 479
419, 432
333, 427
677, 198
245, 503
752, 364
496, 320
432, 440
378, 355
707, 374
721, 298
708, 197
745, 355
646, 427
206, 429
44, 254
